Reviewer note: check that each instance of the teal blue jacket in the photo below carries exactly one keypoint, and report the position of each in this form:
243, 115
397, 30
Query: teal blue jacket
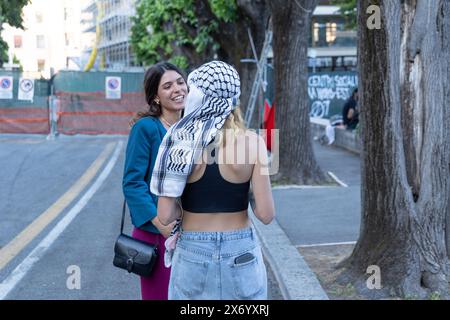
143, 144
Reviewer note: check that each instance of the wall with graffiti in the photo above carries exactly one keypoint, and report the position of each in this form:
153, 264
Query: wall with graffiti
328, 92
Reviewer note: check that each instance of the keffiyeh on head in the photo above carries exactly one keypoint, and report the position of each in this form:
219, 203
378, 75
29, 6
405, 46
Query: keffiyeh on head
214, 89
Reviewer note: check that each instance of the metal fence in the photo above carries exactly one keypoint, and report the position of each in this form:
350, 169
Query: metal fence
96, 102
19, 113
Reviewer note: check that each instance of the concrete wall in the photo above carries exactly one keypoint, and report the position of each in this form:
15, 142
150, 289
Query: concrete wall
349, 140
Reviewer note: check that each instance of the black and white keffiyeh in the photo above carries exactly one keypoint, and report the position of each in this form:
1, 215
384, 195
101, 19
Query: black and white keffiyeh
214, 89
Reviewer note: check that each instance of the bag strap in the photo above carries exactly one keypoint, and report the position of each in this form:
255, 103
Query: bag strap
161, 135
125, 201
123, 216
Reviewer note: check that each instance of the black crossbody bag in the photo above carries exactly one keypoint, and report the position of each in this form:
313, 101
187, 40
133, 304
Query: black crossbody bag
134, 255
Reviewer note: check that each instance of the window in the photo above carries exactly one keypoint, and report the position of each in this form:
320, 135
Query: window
17, 41
41, 65
331, 31
316, 33
67, 38
40, 42
39, 17
109, 34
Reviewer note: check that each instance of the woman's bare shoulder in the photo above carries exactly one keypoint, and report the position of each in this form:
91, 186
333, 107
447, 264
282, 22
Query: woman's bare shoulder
254, 139
253, 143
249, 135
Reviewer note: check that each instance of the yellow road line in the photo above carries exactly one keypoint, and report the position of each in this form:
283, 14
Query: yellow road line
13, 248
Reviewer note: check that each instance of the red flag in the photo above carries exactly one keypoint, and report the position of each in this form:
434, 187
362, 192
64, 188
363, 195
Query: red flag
269, 122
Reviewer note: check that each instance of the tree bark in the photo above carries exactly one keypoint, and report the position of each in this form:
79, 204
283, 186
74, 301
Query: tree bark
253, 15
405, 158
291, 22
446, 35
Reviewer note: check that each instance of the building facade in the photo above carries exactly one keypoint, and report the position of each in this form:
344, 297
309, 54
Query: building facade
109, 23
332, 45
51, 39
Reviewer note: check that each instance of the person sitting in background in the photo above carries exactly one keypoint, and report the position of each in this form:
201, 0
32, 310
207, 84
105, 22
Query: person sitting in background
335, 122
350, 114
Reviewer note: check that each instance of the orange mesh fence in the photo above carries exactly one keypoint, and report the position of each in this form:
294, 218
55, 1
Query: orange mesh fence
79, 103
24, 120
19, 114
92, 113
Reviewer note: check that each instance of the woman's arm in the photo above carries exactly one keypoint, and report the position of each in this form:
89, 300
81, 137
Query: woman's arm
169, 210
263, 206
164, 229
135, 178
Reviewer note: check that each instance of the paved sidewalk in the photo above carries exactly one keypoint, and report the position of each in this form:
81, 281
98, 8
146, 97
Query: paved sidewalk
312, 216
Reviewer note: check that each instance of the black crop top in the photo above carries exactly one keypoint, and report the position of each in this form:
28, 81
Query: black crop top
212, 193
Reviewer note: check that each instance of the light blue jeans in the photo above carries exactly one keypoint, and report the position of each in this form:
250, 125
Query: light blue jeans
204, 267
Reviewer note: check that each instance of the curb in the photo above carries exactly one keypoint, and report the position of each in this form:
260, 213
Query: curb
294, 277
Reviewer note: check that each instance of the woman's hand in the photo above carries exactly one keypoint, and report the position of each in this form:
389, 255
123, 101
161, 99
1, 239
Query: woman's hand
169, 210
164, 230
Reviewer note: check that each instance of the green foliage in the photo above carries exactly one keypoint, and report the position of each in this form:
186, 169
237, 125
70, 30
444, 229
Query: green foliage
224, 9
17, 61
162, 28
180, 61
3, 51
435, 295
411, 297
203, 38
348, 10
343, 291
11, 12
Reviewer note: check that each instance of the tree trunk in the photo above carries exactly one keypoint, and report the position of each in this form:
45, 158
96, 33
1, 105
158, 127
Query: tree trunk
446, 35
291, 22
253, 15
405, 158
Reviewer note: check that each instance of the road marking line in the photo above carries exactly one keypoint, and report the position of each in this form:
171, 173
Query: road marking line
301, 187
13, 248
294, 186
325, 244
21, 270
337, 179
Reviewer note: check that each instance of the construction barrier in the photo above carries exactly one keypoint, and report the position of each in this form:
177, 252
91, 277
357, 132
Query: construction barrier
75, 102
23, 104
97, 102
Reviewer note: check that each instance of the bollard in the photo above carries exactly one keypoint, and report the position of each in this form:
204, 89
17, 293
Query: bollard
53, 117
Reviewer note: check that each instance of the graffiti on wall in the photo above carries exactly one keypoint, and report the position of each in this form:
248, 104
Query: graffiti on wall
329, 91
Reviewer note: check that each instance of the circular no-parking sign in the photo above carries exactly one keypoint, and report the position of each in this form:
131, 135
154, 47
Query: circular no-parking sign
26, 85
5, 83
113, 84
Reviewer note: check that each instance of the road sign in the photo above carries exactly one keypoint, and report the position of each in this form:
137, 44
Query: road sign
26, 89
6, 87
113, 87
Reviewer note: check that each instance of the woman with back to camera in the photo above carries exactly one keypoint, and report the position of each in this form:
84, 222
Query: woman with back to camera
217, 254
165, 92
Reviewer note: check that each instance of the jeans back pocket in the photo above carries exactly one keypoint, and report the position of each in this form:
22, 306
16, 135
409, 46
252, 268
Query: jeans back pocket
190, 277
248, 278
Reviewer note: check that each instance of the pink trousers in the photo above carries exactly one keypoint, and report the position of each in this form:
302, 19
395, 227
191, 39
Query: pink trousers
154, 287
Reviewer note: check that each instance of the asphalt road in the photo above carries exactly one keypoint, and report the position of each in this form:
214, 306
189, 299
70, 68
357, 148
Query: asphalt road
74, 185
323, 215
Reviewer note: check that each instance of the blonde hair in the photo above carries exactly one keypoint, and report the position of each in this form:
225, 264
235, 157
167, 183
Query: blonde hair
233, 122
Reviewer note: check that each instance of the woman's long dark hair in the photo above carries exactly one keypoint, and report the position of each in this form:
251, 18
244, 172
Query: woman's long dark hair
152, 78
